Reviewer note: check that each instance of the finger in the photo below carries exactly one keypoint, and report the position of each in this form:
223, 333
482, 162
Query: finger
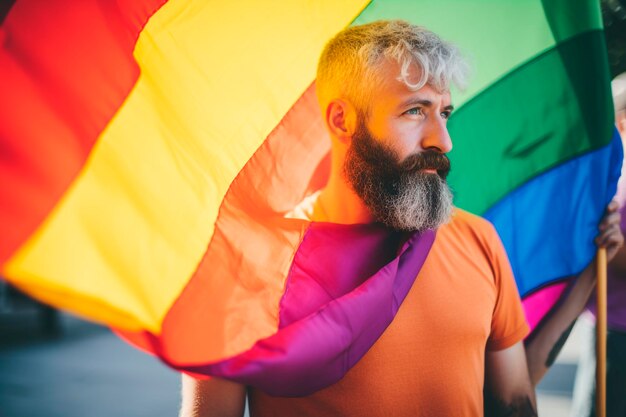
612, 230
612, 207
609, 238
609, 220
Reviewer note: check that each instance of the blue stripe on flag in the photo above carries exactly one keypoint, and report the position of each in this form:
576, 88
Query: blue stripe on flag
548, 225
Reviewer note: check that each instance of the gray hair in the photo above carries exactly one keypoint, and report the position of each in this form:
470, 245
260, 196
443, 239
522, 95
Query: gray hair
350, 63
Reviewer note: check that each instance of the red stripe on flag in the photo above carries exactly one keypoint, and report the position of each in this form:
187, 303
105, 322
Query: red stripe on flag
5, 6
65, 68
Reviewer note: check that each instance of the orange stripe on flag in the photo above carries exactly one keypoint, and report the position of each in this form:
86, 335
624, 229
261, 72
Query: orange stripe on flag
251, 250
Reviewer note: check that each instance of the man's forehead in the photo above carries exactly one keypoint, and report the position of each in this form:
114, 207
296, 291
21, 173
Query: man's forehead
390, 71
391, 77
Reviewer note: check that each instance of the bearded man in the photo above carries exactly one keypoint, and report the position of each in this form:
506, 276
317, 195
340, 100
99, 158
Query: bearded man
455, 347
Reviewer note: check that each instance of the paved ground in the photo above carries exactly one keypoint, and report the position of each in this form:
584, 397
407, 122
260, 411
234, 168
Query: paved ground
87, 371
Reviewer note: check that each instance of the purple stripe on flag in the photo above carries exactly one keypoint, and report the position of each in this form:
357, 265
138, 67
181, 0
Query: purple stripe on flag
328, 252
344, 288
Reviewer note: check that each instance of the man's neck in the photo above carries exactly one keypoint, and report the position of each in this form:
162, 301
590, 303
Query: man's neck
340, 204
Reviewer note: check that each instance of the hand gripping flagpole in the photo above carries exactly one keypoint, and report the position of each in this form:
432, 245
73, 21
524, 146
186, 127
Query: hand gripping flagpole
601, 320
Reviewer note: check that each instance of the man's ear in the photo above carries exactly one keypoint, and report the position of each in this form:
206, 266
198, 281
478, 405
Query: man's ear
341, 119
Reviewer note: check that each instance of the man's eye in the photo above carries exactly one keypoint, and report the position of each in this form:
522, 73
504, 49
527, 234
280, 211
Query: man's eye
414, 111
446, 115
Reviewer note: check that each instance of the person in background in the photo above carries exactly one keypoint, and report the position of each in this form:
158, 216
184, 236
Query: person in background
584, 400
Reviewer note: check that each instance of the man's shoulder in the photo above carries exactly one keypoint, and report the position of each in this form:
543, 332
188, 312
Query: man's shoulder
469, 231
468, 222
473, 238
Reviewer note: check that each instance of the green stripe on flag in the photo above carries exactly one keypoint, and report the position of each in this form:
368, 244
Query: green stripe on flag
566, 17
497, 35
543, 113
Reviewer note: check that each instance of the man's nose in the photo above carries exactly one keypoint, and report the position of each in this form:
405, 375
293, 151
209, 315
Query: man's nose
437, 137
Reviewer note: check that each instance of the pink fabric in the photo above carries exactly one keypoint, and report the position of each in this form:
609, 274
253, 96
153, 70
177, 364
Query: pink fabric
537, 305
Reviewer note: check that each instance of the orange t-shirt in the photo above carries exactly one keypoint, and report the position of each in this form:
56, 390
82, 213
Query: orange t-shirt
430, 360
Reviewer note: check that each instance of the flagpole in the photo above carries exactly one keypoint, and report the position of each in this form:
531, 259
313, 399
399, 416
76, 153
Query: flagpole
601, 319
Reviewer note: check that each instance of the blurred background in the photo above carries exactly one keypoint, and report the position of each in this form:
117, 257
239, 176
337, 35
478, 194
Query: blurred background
54, 364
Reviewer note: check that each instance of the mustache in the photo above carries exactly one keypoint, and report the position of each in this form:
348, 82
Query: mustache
427, 160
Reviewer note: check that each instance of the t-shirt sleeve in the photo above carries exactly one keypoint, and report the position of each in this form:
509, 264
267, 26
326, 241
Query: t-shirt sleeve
508, 323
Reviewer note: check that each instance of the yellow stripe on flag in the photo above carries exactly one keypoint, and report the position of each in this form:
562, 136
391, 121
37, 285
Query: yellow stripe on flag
216, 78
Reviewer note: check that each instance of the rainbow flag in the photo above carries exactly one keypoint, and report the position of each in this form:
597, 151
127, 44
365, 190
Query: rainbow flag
151, 150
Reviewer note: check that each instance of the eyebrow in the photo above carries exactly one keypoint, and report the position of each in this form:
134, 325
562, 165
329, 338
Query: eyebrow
423, 102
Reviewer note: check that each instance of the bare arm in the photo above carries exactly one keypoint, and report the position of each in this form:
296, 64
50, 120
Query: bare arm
508, 390
547, 341
545, 345
212, 398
